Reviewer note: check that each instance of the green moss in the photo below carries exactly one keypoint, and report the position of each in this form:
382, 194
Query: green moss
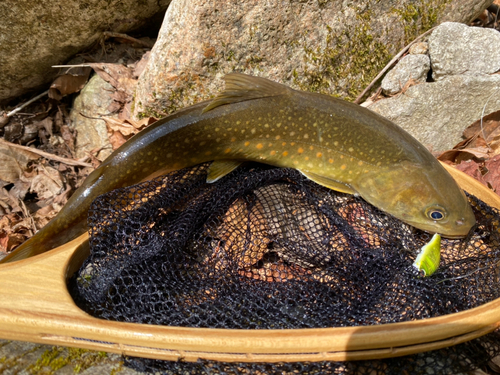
230, 55
7, 362
189, 90
58, 357
150, 112
348, 60
346, 64
254, 62
419, 16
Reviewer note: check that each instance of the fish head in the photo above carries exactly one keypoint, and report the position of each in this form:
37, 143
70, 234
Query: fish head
427, 198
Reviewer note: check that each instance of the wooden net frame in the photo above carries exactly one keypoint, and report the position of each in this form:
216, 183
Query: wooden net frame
35, 306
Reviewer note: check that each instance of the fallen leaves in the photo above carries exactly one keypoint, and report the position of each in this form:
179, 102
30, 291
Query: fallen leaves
22, 172
71, 81
15, 223
478, 155
124, 81
36, 182
13, 162
121, 130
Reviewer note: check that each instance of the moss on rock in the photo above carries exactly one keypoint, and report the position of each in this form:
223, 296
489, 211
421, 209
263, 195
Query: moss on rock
57, 357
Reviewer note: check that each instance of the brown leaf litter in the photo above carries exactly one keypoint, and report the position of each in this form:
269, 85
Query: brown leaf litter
38, 168
478, 155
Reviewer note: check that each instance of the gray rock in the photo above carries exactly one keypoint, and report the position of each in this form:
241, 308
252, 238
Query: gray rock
455, 48
34, 35
437, 113
333, 47
92, 133
411, 67
18, 355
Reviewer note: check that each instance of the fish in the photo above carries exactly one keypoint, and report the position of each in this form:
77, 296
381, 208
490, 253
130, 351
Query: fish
334, 143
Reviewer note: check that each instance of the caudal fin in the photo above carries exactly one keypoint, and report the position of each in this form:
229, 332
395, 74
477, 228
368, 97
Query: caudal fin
26, 250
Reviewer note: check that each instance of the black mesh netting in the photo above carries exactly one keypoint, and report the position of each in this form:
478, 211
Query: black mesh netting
265, 248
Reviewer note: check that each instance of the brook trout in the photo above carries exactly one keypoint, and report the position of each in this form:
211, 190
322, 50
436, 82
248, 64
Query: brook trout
337, 144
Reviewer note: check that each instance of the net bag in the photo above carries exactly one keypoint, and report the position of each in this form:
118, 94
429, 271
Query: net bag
265, 248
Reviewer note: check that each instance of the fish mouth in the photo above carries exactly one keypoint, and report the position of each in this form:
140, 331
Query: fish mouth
460, 224
453, 236
461, 229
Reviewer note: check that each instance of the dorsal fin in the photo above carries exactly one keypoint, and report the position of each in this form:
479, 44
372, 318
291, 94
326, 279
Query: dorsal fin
241, 87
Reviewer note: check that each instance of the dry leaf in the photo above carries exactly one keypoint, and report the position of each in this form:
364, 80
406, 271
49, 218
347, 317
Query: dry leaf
70, 82
47, 124
45, 214
471, 168
47, 184
482, 141
68, 137
483, 134
10, 241
141, 65
487, 130
487, 172
4, 240
117, 75
116, 139
13, 231
8, 203
128, 127
491, 172
494, 364
124, 127
13, 162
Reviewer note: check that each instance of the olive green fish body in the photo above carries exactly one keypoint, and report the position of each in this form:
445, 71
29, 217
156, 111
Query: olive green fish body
335, 143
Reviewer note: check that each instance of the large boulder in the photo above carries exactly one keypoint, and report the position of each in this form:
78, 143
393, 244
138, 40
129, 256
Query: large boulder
36, 34
436, 113
462, 60
334, 47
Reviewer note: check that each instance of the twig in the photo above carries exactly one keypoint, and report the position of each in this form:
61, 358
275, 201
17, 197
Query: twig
129, 38
13, 112
30, 218
73, 66
390, 64
482, 115
47, 155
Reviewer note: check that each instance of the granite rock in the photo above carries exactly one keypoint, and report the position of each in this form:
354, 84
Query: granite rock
333, 47
92, 103
455, 48
436, 113
34, 35
411, 67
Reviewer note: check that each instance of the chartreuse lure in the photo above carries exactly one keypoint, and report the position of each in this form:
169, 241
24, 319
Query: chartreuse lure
428, 259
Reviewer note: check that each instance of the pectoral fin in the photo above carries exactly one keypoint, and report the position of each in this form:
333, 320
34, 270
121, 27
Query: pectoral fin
220, 168
329, 183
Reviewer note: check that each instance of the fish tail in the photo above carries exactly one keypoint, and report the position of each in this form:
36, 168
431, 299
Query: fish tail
24, 251
48, 238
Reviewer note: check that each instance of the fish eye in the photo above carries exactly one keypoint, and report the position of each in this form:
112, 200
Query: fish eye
435, 213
